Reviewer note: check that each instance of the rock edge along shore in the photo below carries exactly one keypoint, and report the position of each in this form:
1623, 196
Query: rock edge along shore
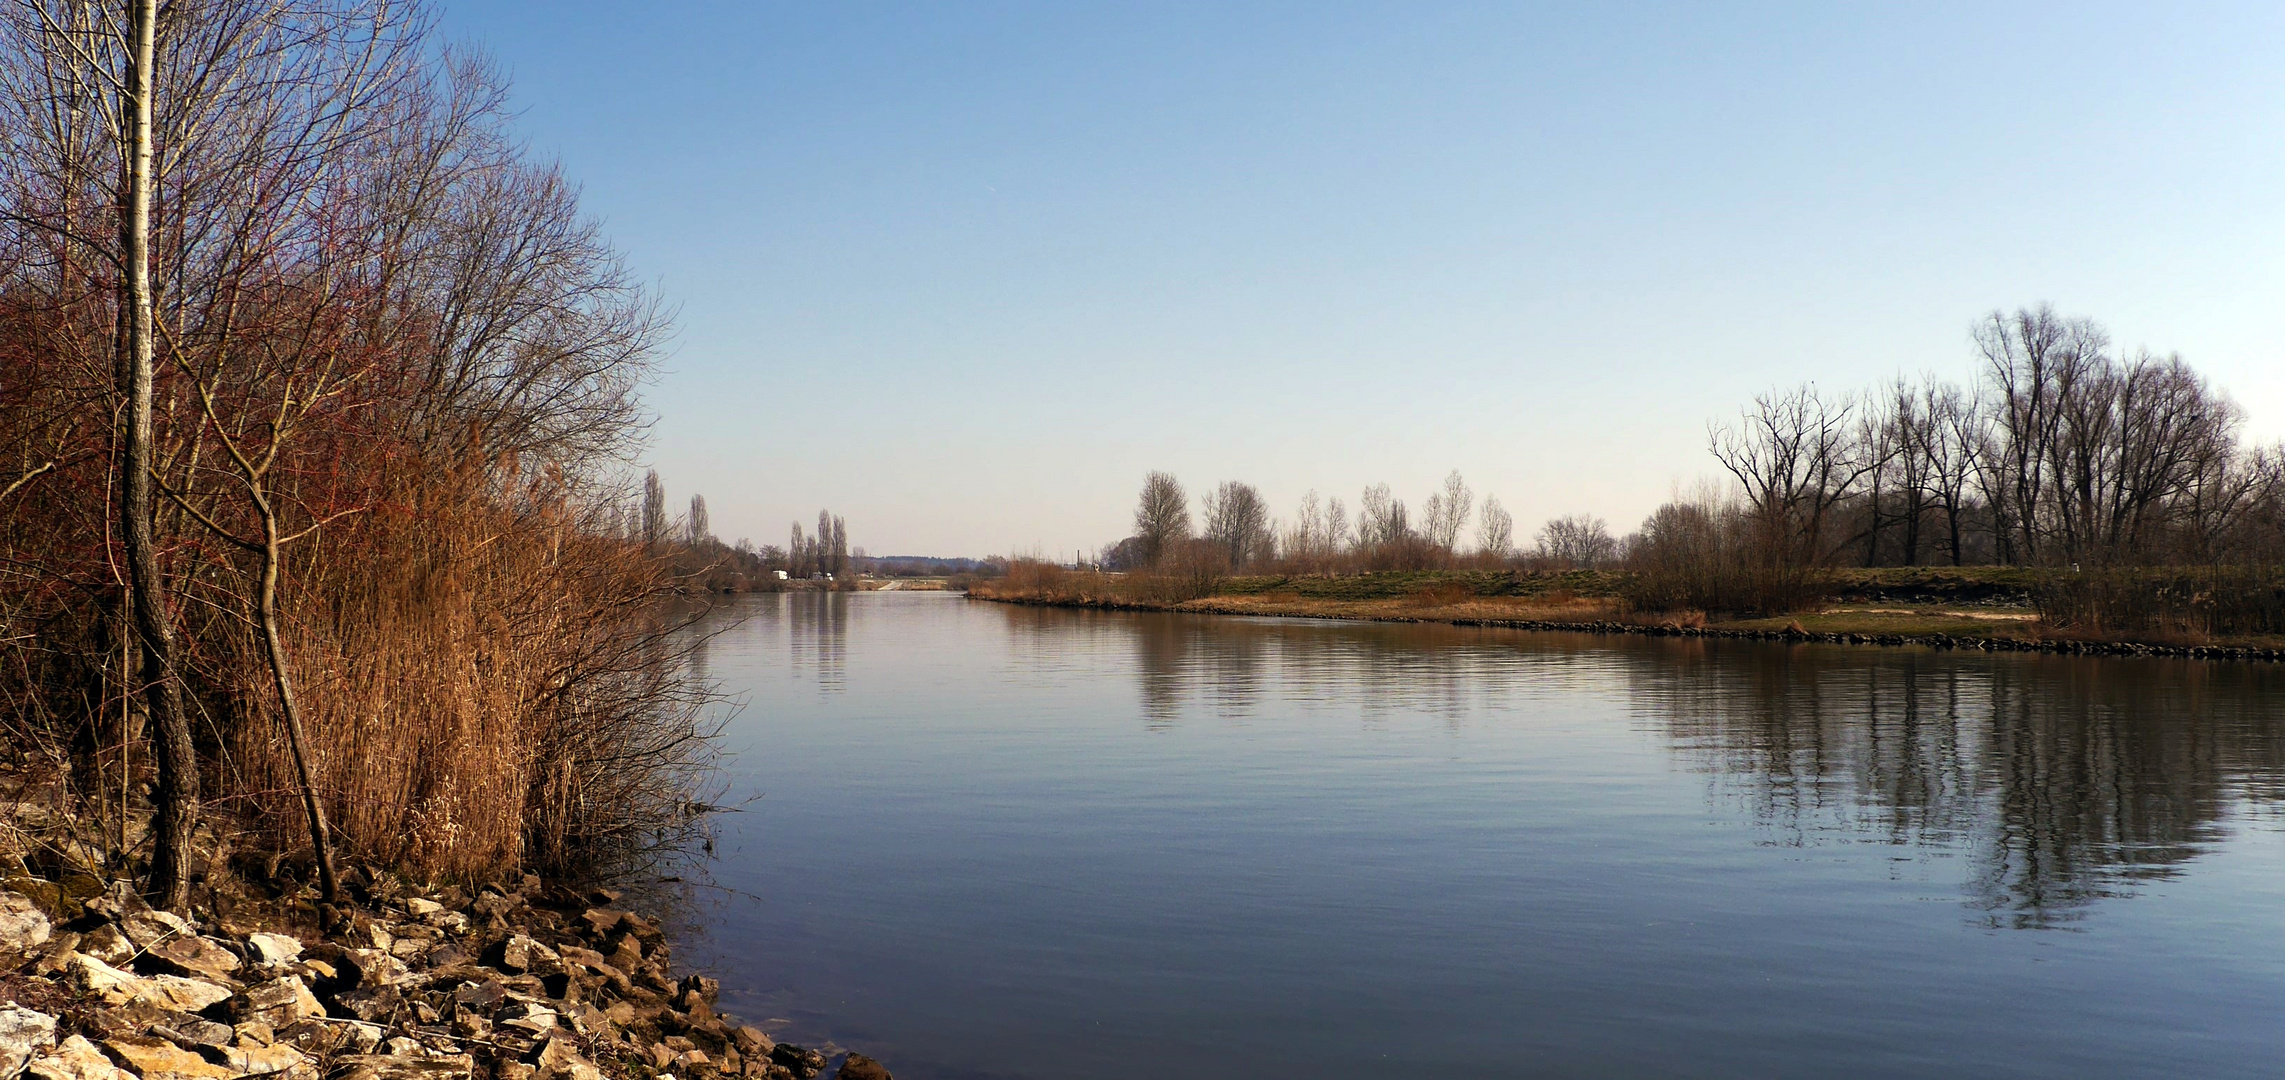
524, 982
2059, 646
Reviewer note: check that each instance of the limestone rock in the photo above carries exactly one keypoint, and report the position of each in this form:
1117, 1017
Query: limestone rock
423, 908
180, 994
559, 1060
76, 1059
155, 1059
272, 948
860, 1067
47, 896
109, 984
196, 956
384, 1067
25, 1034
195, 1035
22, 924
752, 1041
107, 944
372, 1005
261, 1060
801, 1061
282, 1001
148, 928
373, 968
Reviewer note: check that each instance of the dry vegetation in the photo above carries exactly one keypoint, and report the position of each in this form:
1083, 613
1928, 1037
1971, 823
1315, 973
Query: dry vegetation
390, 368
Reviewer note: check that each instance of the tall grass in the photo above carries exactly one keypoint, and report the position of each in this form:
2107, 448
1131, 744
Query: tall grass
492, 685
1194, 571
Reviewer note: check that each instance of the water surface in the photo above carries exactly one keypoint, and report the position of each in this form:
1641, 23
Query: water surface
993, 841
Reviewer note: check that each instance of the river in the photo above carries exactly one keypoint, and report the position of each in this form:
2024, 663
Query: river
978, 841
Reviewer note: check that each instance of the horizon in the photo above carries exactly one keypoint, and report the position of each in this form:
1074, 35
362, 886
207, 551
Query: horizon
965, 276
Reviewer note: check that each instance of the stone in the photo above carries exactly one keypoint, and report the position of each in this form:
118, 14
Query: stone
402, 1046
156, 1059
272, 948
194, 1034
255, 1033
107, 944
519, 954
198, 956
76, 1059
47, 896
280, 1002
799, 1060
373, 968
370, 1004
109, 984
179, 994
559, 1060
25, 1034
702, 988
148, 928
752, 1041
23, 926
386, 1067
262, 1060
50, 959
643, 929
514, 1070
601, 921
860, 1067
422, 908
481, 996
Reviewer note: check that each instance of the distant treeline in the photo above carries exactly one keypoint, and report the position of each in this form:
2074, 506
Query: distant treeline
697, 560
2060, 452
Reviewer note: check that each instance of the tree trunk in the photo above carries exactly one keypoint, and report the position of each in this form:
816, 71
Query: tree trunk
320, 839
176, 759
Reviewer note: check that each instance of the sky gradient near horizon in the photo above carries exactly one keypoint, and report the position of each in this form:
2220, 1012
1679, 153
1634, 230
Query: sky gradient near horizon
964, 273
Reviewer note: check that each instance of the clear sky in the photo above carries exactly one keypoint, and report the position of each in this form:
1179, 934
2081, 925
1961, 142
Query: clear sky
964, 272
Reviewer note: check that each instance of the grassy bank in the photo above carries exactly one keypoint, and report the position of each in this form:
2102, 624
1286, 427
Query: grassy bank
2001, 608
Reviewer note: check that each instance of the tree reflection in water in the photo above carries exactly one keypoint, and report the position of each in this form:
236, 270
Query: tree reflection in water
2063, 779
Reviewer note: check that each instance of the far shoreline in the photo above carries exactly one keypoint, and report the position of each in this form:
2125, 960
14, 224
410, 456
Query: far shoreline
1885, 627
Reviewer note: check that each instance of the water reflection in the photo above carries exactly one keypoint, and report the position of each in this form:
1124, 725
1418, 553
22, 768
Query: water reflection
2065, 779
2059, 780
819, 637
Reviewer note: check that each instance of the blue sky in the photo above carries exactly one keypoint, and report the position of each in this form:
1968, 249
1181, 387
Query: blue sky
965, 272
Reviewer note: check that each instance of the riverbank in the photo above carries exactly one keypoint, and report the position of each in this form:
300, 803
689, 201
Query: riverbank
520, 980
1980, 609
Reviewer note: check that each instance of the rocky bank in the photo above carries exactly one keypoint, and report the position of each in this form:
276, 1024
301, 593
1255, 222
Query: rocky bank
519, 981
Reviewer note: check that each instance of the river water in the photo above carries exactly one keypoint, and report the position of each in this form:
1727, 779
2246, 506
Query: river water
991, 841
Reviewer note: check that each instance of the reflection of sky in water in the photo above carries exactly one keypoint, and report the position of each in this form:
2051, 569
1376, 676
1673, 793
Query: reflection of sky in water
1017, 841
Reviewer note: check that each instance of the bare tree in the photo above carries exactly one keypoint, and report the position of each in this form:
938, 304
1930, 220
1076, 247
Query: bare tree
2036, 363
697, 528
1237, 518
1582, 541
1446, 512
654, 523
1380, 518
1495, 530
1317, 535
1795, 456
1162, 517
1951, 438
